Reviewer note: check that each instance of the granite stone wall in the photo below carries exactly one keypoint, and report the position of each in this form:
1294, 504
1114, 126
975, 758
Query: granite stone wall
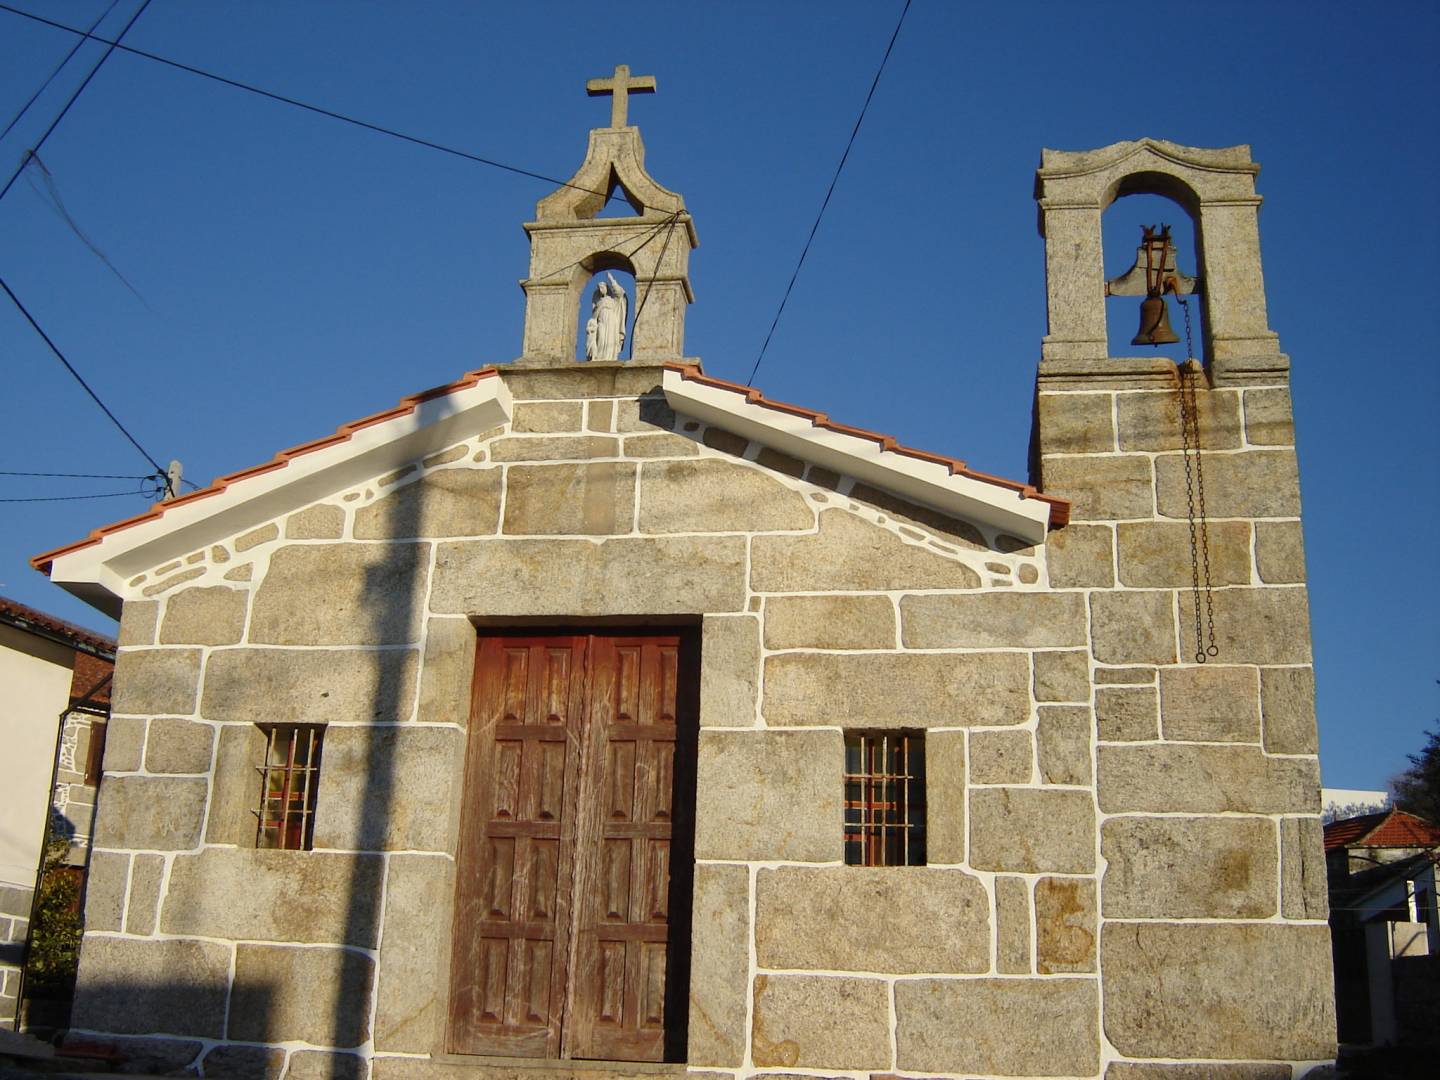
1212, 899
73, 798
15, 904
1124, 849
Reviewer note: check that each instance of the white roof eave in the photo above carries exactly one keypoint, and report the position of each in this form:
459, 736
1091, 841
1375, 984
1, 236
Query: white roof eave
97, 572
927, 482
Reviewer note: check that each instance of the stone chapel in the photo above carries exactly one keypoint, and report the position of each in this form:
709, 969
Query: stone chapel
602, 719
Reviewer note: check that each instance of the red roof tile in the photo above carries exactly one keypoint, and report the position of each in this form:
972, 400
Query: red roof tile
90, 681
1059, 508
1388, 829
279, 461
14, 613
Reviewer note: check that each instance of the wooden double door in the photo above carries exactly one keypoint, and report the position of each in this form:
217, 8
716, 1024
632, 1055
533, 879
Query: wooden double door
572, 906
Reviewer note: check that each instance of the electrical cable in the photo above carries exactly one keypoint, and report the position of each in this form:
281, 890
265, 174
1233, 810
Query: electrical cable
647, 236
58, 68
78, 378
51, 193
830, 191
116, 43
635, 322
74, 498
25, 158
79, 475
33, 153
308, 107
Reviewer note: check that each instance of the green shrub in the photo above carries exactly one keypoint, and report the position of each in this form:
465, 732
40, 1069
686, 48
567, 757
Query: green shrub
54, 952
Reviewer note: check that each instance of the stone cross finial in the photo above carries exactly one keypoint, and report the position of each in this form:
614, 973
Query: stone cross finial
621, 85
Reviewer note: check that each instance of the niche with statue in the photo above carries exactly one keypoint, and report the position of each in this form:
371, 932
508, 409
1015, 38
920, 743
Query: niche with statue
604, 285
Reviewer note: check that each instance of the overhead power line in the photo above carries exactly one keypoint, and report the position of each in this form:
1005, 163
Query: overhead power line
317, 109
635, 325
58, 68
76, 498
78, 475
78, 378
49, 190
829, 191
644, 238
25, 159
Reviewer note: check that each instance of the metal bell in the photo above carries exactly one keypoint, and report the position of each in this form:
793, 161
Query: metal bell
1154, 323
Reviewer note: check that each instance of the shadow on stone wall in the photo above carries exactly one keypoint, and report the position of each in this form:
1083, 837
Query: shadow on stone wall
193, 1013
187, 1004
393, 597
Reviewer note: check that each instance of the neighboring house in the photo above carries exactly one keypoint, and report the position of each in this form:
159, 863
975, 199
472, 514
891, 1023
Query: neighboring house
1385, 928
54, 698
607, 710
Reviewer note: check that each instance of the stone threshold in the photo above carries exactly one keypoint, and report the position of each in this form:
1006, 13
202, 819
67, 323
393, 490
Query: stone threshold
563, 1067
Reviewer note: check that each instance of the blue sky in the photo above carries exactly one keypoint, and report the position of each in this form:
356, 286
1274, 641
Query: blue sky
297, 272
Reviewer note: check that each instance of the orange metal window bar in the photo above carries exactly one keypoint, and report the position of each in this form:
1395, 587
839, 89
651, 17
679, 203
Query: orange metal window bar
288, 781
884, 799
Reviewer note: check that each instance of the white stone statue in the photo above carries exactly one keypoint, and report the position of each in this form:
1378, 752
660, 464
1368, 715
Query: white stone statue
605, 329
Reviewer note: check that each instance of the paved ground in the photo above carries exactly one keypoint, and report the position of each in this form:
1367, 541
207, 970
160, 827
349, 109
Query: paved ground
1406, 1064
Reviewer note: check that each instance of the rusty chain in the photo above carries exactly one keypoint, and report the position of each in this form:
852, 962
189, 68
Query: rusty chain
1196, 515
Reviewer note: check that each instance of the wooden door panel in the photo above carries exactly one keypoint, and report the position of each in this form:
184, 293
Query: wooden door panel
535, 993
511, 945
494, 974
621, 930
500, 876
664, 782
512, 679
541, 899
620, 772
548, 792
563, 946
657, 882
508, 764
651, 1005
613, 885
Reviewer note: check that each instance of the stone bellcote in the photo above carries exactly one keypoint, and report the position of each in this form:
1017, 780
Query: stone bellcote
569, 243
1216, 187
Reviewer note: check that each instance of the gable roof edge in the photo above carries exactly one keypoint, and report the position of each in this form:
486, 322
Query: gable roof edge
96, 568
945, 483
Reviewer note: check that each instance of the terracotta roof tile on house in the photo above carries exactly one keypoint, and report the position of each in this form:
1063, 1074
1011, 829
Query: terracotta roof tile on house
91, 680
23, 617
1388, 829
279, 461
1059, 508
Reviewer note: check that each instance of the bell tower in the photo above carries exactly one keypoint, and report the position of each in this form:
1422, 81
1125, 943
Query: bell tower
569, 244
1185, 541
1216, 187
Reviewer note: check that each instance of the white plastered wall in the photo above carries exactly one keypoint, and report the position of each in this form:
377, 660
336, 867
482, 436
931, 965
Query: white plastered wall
34, 690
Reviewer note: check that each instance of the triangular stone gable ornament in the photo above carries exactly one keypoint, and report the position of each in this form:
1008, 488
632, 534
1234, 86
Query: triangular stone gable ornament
569, 244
